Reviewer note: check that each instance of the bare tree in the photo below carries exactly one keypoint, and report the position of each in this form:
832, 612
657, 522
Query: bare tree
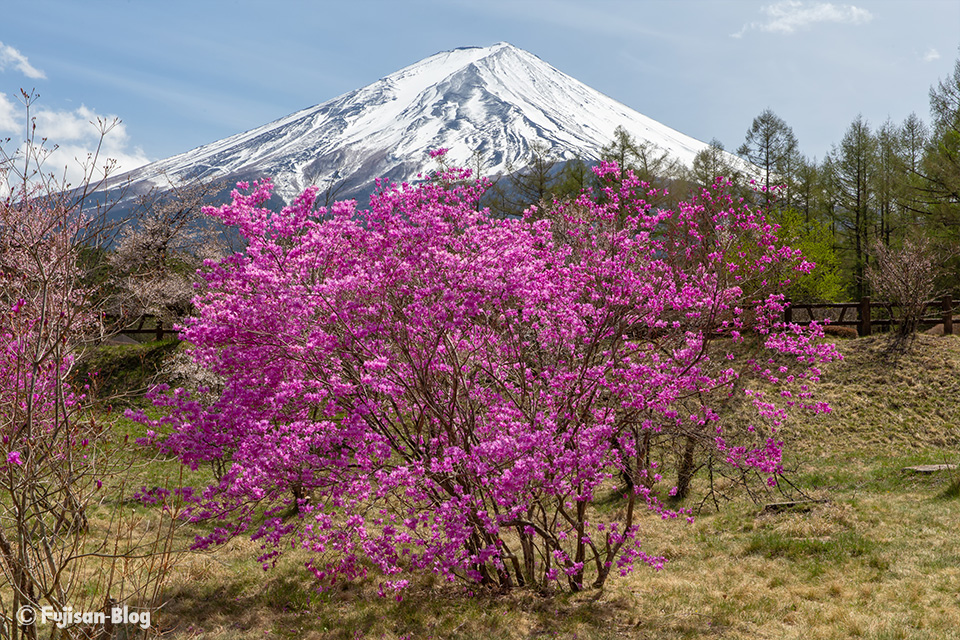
58, 461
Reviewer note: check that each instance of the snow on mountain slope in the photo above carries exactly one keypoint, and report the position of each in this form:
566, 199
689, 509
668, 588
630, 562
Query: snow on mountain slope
496, 100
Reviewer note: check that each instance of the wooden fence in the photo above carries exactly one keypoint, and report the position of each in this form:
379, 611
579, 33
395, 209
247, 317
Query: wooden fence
867, 316
147, 325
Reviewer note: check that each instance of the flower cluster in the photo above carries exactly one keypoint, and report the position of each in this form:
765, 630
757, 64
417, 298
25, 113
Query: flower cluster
430, 388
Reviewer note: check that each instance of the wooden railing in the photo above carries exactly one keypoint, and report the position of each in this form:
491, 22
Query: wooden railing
866, 315
146, 325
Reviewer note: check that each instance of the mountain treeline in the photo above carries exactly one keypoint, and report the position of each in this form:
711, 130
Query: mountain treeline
881, 187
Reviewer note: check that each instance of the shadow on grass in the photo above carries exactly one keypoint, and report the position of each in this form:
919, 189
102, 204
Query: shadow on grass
952, 492
836, 548
286, 604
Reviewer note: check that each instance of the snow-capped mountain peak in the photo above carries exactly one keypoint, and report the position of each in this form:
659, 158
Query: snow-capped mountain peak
495, 100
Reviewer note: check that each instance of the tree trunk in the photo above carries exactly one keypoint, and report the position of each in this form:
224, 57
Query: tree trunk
686, 468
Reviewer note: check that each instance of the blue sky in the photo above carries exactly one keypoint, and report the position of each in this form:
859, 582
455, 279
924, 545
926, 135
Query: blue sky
182, 73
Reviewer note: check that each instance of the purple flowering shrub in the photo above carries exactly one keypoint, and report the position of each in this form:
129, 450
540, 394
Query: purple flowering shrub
423, 387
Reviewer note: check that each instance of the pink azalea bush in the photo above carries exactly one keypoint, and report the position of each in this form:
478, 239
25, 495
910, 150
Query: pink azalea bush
422, 387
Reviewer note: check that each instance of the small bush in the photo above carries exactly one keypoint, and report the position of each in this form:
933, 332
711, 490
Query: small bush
906, 278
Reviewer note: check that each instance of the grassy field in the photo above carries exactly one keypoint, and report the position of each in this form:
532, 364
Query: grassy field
875, 555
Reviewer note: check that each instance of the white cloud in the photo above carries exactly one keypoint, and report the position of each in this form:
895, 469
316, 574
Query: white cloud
931, 55
11, 57
788, 16
8, 116
72, 138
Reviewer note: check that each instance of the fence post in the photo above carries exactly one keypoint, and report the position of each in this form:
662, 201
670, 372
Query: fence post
864, 316
788, 312
159, 332
947, 306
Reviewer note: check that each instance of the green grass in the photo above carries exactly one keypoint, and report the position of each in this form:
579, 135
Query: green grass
122, 372
952, 492
832, 549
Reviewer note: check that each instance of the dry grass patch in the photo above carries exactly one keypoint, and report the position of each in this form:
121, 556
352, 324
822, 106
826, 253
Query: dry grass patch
880, 399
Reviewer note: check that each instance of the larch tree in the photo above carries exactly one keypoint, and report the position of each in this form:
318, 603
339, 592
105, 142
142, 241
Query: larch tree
888, 182
530, 184
942, 162
712, 162
648, 162
854, 165
940, 169
771, 145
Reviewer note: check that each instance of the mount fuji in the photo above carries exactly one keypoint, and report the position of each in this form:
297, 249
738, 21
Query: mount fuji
495, 100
